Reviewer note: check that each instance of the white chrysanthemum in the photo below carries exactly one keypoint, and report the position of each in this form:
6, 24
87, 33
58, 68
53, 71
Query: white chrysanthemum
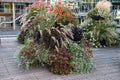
104, 5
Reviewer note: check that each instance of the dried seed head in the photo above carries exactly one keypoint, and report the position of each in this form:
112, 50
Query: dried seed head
103, 5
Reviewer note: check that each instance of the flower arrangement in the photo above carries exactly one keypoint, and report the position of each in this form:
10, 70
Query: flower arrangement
63, 14
36, 5
100, 27
55, 43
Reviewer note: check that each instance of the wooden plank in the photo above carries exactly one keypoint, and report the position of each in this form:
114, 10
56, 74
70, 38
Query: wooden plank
8, 14
5, 14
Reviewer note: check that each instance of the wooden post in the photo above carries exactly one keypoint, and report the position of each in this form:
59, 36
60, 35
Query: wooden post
13, 5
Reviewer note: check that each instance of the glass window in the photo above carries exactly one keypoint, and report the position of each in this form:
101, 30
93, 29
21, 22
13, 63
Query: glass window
1, 7
7, 7
20, 7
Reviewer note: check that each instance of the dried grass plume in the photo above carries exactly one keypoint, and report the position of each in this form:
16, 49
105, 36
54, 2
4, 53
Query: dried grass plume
104, 5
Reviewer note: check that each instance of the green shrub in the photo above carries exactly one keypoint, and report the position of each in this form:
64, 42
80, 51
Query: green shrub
101, 33
81, 57
32, 54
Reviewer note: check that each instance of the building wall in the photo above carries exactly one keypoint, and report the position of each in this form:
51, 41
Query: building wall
6, 7
116, 4
18, 1
88, 6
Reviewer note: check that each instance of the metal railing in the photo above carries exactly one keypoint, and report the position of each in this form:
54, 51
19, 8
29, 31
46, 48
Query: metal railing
6, 22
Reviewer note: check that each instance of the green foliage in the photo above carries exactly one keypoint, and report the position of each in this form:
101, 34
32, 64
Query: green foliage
81, 57
36, 8
100, 33
97, 12
21, 37
44, 20
32, 54
117, 43
25, 34
42, 54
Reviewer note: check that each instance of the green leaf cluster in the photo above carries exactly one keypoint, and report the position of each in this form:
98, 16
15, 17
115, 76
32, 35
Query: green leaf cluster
101, 33
32, 54
81, 62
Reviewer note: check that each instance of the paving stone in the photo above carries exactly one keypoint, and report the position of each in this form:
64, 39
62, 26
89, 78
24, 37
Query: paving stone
106, 60
8, 32
2, 70
25, 77
4, 75
8, 79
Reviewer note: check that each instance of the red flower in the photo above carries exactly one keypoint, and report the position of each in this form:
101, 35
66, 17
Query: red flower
64, 14
68, 15
61, 10
69, 5
59, 17
51, 9
26, 53
59, 2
